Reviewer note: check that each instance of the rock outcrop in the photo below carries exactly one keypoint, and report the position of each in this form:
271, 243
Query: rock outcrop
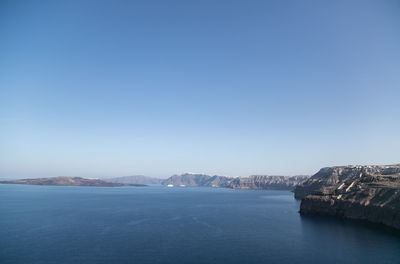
67, 181
370, 193
254, 182
265, 182
197, 179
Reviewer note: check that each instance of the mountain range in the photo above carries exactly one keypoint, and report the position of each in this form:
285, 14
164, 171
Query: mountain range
254, 182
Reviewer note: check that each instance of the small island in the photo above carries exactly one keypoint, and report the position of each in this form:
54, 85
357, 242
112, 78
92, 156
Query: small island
68, 181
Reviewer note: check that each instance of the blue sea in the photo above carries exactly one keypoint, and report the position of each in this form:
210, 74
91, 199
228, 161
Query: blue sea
51, 224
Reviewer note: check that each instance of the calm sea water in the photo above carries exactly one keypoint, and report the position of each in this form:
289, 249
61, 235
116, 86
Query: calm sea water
49, 224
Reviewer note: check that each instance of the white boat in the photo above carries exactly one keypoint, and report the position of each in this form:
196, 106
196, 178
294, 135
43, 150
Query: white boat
170, 185
182, 185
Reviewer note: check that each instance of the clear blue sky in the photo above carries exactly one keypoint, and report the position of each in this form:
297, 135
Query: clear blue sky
113, 88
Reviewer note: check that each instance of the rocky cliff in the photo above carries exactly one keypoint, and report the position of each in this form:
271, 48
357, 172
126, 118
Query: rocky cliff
255, 182
264, 182
66, 181
197, 179
370, 193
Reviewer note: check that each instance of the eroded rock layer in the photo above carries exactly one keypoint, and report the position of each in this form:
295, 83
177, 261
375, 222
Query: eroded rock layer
264, 182
370, 193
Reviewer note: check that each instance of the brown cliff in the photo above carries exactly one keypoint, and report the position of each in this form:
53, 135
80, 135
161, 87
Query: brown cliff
370, 193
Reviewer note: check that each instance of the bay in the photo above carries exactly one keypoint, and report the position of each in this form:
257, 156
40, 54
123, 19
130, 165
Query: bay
53, 224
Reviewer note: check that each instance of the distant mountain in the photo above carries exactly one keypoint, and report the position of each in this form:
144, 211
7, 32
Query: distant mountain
255, 182
197, 179
370, 193
135, 179
65, 181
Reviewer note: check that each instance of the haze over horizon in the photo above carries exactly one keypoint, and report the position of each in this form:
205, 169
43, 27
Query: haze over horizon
115, 88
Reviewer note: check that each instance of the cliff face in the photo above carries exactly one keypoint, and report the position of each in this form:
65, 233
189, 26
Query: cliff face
263, 182
64, 181
369, 193
255, 182
193, 179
